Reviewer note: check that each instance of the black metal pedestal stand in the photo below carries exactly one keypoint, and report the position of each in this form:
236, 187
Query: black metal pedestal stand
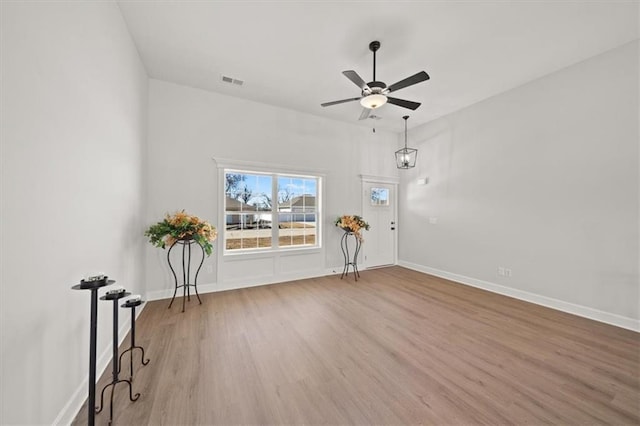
186, 270
132, 305
348, 261
115, 380
93, 333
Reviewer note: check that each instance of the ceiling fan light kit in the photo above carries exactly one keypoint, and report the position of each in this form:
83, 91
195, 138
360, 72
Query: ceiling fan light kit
406, 157
373, 101
374, 94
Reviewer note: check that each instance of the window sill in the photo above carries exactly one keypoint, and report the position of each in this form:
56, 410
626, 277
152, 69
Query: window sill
248, 255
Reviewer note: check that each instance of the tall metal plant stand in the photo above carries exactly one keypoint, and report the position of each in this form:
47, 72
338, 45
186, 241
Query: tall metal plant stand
93, 333
186, 285
348, 260
132, 305
115, 380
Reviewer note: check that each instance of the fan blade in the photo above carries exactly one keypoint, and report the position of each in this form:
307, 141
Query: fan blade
357, 80
365, 113
326, 104
409, 81
405, 104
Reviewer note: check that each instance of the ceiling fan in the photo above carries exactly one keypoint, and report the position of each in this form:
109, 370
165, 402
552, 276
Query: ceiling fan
375, 93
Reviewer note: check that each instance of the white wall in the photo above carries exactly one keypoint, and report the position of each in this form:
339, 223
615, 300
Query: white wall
189, 127
74, 97
542, 180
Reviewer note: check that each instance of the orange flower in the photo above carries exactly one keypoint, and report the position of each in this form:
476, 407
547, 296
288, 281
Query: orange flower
181, 225
169, 240
352, 224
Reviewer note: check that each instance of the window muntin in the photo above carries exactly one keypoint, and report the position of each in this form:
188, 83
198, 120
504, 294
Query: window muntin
254, 222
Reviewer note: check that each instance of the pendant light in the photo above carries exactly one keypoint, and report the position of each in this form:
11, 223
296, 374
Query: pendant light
406, 157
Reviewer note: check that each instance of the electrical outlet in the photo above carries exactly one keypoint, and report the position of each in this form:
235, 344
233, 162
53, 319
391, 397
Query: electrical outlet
504, 272
209, 269
433, 220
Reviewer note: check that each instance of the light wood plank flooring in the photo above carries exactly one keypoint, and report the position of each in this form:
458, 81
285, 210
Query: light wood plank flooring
397, 347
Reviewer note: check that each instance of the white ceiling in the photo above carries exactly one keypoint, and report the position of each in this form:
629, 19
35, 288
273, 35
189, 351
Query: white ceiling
292, 53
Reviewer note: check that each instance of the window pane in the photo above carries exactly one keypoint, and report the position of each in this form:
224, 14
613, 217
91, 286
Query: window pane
310, 229
261, 192
285, 229
297, 207
379, 197
232, 234
249, 192
247, 210
285, 193
244, 232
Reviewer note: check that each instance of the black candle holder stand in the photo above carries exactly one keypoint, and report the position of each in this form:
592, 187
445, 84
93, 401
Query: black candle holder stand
132, 305
115, 380
348, 261
186, 271
93, 333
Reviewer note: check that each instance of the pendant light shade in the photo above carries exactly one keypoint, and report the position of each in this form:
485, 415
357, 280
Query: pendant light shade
406, 157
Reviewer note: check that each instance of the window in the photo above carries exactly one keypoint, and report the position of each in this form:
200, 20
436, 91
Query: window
247, 211
297, 211
379, 197
270, 211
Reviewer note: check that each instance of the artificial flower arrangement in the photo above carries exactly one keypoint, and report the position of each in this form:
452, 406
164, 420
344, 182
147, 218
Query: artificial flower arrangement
352, 223
182, 226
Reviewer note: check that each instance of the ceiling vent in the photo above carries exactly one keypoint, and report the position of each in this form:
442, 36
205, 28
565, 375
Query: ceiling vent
232, 80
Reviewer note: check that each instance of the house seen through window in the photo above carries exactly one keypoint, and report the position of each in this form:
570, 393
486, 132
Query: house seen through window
270, 211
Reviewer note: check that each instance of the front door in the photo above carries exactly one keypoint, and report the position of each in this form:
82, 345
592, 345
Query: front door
379, 210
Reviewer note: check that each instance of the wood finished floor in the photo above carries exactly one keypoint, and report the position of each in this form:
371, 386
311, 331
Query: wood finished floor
397, 347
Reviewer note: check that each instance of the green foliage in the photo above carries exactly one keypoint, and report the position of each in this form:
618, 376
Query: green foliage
182, 226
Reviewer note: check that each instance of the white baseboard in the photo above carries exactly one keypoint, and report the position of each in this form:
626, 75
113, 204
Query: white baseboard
252, 282
73, 406
272, 279
168, 292
582, 311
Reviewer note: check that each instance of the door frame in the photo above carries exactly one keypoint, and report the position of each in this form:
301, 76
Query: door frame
384, 180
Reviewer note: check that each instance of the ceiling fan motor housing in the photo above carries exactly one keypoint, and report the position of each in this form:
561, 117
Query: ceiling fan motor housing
374, 87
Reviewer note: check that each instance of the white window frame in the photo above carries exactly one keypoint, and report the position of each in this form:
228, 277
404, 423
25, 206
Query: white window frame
275, 171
